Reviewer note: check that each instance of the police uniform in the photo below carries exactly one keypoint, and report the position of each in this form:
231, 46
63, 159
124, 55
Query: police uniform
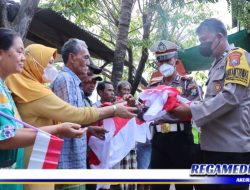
224, 115
172, 144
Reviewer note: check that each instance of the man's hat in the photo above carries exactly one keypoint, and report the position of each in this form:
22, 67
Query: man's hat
95, 69
96, 77
164, 50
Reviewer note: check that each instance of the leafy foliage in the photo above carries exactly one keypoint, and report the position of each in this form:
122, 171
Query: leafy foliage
200, 77
241, 11
177, 24
173, 20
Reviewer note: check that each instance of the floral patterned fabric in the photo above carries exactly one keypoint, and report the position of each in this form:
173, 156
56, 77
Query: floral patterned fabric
9, 158
7, 131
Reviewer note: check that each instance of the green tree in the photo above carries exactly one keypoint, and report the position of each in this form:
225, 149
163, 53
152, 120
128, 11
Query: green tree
241, 11
151, 20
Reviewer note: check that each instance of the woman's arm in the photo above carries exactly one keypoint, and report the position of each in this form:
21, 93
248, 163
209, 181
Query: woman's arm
52, 107
26, 137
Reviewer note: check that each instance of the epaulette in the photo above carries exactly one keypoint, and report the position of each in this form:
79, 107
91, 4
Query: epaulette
189, 78
177, 79
235, 48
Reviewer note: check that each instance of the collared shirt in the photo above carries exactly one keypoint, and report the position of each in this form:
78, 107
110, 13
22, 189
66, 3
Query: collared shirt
97, 104
188, 89
187, 86
224, 114
86, 101
67, 87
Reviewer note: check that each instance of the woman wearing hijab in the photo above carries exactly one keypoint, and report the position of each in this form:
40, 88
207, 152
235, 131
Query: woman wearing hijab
39, 106
12, 134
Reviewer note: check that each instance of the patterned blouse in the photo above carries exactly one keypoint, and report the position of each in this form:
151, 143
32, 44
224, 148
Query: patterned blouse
9, 158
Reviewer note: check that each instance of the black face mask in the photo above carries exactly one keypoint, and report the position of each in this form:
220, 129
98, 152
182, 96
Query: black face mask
205, 49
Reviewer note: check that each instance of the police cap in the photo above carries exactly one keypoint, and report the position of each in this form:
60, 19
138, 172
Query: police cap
164, 50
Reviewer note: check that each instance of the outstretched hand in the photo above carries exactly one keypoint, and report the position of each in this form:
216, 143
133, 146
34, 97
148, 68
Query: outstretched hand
97, 131
71, 130
125, 111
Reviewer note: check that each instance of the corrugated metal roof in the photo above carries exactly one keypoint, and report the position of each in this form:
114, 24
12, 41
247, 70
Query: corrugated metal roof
53, 29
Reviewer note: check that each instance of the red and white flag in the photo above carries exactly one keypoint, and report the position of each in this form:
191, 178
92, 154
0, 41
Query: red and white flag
121, 138
46, 151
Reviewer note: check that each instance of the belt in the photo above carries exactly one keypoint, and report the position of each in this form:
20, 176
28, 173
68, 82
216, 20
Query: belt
166, 127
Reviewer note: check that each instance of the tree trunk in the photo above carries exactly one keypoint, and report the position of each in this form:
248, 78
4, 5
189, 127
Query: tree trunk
130, 66
121, 42
147, 19
3, 14
22, 18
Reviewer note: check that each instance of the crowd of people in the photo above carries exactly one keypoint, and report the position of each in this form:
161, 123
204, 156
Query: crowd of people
64, 108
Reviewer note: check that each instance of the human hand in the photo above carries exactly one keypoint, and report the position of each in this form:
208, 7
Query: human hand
182, 111
70, 130
97, 131
124, 111
129, 99
141, 110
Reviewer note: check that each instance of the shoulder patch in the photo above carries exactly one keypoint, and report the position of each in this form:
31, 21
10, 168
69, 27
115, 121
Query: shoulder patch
234, 58
237, 68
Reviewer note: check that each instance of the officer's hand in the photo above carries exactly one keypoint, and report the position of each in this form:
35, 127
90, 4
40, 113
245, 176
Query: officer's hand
167, 118
97, 131
70, 130
182, 112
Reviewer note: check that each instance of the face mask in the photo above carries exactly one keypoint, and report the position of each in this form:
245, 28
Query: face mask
167, 70
50, 73
205, 49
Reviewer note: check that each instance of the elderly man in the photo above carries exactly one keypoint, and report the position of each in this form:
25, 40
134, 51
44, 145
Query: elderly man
223, 116
67, 86
172, 143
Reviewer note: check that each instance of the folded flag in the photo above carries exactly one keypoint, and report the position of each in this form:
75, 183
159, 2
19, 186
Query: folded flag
160, 100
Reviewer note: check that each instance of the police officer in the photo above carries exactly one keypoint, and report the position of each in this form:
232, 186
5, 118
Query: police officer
172, 143
223, 116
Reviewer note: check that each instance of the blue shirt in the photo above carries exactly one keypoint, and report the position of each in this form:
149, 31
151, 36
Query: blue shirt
67, 87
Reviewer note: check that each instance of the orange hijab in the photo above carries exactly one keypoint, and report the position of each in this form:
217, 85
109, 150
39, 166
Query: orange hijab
28, 85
